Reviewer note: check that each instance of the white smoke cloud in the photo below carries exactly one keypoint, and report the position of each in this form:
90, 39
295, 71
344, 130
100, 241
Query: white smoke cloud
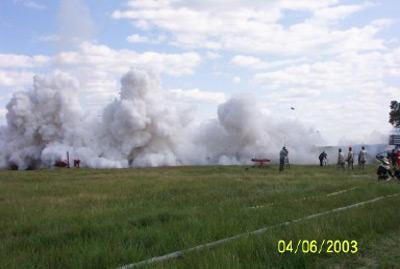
375, 137
243, 131
40, 119
140, 128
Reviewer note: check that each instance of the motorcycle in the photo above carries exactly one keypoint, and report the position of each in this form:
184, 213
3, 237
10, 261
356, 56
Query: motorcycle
384, 170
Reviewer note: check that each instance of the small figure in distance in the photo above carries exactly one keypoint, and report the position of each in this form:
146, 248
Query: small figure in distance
395, 157
392, 157
350, 159
323, 158
287, 163
340, 162
362, 158
396, 162
77, 163
282, 158
398, 156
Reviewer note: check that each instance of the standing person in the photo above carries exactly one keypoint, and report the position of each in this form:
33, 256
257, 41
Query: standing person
350, 159
393, 158
287, 163
322, 157
340, 162
398, 156
362, 157
282, 157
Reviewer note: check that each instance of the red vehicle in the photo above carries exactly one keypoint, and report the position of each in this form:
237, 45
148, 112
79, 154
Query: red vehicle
63, 163
260, 162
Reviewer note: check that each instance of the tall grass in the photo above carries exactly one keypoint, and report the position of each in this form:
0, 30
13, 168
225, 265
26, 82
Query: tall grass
82, 218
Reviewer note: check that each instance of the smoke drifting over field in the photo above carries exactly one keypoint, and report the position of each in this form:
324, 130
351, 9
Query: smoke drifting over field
141, 128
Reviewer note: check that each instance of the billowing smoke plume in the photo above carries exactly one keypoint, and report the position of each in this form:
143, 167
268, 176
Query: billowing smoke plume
40, 121
243, 131
139, 129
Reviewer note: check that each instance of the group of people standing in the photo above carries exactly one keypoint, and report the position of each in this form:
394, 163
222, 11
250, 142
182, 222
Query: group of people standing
349, 159
389, 161
346, 160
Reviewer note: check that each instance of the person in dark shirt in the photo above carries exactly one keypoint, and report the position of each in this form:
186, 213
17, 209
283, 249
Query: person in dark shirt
283, 154
323, 158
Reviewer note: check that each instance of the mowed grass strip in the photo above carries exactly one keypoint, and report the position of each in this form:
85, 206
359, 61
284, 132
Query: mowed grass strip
106, 218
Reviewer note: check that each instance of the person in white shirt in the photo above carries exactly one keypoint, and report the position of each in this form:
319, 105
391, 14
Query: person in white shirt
362, 158
341, 161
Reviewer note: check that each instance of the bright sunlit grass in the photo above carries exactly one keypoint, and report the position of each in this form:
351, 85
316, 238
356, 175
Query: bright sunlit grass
71, 218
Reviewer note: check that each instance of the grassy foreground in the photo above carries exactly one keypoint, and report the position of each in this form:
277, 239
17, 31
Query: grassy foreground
108, 218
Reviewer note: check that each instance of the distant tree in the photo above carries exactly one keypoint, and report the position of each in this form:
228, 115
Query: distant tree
394, 115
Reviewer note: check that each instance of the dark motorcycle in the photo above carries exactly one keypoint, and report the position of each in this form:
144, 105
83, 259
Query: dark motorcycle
384, 170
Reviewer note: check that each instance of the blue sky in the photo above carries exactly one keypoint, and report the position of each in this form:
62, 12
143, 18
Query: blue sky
337, 62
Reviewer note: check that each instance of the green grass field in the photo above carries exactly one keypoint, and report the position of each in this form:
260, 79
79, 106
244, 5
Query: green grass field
108, 218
